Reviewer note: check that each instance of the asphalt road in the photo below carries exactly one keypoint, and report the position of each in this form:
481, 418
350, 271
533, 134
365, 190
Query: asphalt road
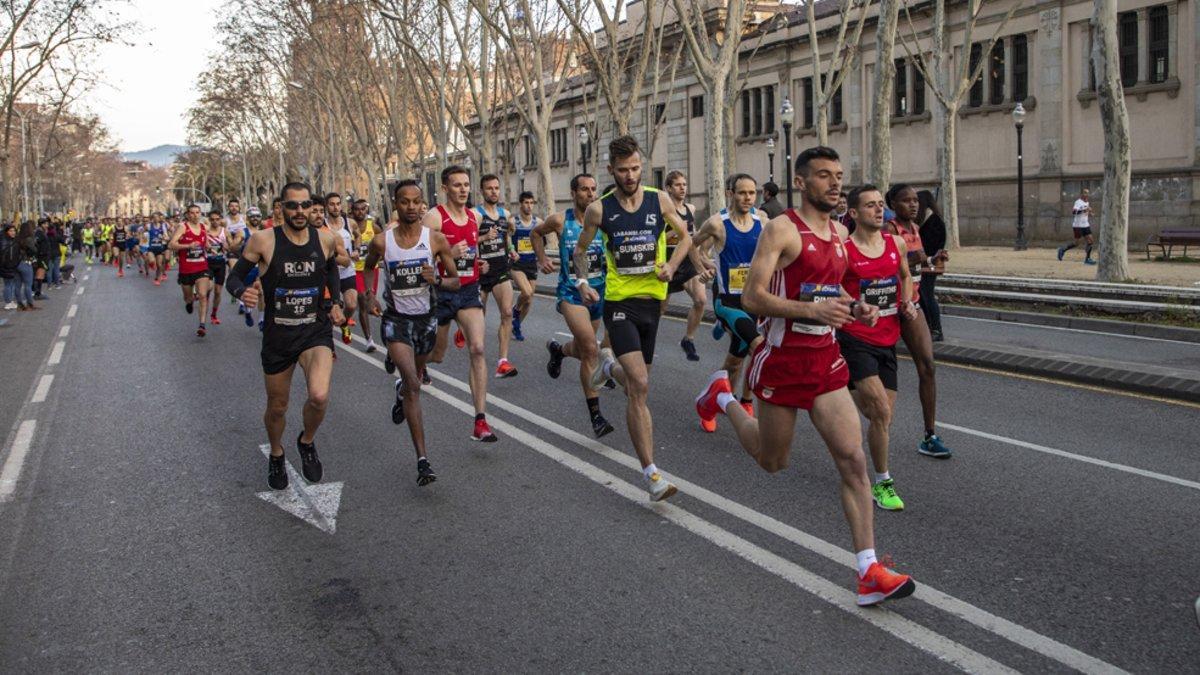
1061, 536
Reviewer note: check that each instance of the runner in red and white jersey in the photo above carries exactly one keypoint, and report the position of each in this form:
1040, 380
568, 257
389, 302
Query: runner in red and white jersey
794, 283
190, 241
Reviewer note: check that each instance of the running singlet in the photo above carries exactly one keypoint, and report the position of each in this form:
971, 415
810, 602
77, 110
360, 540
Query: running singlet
912, 242
89, 237
216, 246
293, 282
468, 265
240, 229
156, 235
734, 262
347, 236
688, 219
814, 276
192, 259
566, 251
522, 242
119, 234
634, 244
366, 234
875, 281
405, 289
494, 250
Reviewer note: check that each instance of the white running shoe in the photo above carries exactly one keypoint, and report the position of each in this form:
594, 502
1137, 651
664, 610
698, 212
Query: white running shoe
598, 377
10, 305
371, 346
659, 488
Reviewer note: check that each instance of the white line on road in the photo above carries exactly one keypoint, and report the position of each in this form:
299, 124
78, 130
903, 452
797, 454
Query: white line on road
559, 332
56, 354
1071, 455
43, 388
979, 617
79, 291
64, 331
16, 459
1071, 330
71, 311
316, 504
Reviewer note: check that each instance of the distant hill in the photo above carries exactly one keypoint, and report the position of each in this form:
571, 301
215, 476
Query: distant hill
161, 156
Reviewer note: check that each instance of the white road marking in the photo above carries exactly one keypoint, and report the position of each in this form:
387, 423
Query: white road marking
979, 617
71, 311
559, 332
43, 388
16, 459
64, 331
1071, 455
1071, 330
56, 353
79, 291
316, 504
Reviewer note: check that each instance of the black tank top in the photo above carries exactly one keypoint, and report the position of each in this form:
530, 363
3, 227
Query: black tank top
494, 251
294, 281
688, 219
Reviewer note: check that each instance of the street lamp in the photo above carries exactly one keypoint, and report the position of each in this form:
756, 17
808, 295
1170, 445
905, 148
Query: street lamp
1018, 115
786, 114
771, 159
583, 141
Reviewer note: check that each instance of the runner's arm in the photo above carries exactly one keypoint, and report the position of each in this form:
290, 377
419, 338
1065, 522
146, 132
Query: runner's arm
683, 248
235, 282
441, 249
591, 223
174, 244
538, 238
758, 300
332, 246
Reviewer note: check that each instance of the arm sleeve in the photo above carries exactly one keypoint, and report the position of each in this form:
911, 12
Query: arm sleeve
333, 280
236, 283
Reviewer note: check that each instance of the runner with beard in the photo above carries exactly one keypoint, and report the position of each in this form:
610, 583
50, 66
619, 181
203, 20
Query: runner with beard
190, 241
218, 243
347, 231
496, 249
360, 213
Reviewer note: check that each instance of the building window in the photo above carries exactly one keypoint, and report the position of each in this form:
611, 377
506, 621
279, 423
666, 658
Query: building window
431, 186
660, 113
558, 146
975, 98
768, 110
1159, 27
1020, 67
758, 111
1127, 37
698, 106
659, 177
745, 112
995, 73
900, 89
918, 97
508, 153
807, 86
530, 156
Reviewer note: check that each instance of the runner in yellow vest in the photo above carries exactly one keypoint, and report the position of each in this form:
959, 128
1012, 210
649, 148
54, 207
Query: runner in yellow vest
359, 211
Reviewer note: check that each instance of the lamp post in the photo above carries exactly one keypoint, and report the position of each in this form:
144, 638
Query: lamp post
786, 114
771, 160
1018, 115
583, 141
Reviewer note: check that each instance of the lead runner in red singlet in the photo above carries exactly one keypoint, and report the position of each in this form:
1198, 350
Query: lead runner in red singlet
190, 241
794, 285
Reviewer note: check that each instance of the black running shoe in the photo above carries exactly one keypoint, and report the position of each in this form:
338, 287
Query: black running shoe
689, 348
398, 406
388, 365
600, 426
425, 474
554, 366
310, 464
425, 378
189, 307
277, 473
610, 383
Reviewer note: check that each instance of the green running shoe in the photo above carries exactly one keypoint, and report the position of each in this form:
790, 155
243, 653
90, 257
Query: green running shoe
885, 496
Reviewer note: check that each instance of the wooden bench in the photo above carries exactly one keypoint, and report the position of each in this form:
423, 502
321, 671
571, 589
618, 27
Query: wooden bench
1167, 240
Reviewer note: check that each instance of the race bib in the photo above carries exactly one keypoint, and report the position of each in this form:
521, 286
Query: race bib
882, 293
362, 250
466, 264
404, 277
296, 306
595, 268
524, 246
815, 293
492, 248
636, 253
737, 279
195, 254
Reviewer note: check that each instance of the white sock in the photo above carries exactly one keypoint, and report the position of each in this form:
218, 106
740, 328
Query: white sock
865, 558
880, 477
607, 367
649, 470
724, 399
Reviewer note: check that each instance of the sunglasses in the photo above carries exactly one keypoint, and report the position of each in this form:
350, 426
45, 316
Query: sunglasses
293, 205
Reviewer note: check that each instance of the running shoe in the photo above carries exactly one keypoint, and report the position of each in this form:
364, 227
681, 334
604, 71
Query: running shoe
260, 325
936, 336
598, 377
1089, 261
460, 340
601, 427
706, 403
189, 306
201, 331
346, 337
425, 474
388, 366
880, 583
241, 308
277, 473
248, 317
885, 496
350, 322
158, 282
425, 378
516, 326
310, 464
689, 348
933, 447
659, 488
398, 406
215, 320
748, 406
610, 383
718, 330
1061, 252
120, 273
505, 369
554, 365
371, 346
483, 433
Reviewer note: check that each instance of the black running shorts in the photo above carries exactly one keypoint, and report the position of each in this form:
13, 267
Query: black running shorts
347, 284
682, 275
490, 281
191, 279
217, 269
418, 332
632, 325
283, 345
529, 269
867, 360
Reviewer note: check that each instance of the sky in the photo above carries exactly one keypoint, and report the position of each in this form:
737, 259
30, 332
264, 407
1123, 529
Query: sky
147, 86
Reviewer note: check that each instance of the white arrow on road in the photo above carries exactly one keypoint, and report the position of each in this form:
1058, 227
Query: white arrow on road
315, 504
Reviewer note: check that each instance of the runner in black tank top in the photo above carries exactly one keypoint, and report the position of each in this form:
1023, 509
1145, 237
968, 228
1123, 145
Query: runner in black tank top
685, 278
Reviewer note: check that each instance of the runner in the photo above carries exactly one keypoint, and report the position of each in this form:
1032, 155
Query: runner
218, 244
877, 274
106, 234
360, 212
234, 221
495, 249
120, 233
347, 230
238, 232
89, 241
685, 278
457, 223
157, 237
191, 239
295, 262
733, 234
1081, 228
633, 221
583, 320
409, 328
524, 268
145, 260
276, 214
132, 257
794, 285
902, 199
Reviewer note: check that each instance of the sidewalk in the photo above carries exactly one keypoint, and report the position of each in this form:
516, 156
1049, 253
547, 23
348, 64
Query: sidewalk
1043, 262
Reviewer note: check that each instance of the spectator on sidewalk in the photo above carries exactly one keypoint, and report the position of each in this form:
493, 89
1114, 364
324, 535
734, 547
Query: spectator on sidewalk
27, 243
10, 257
771, 205
41, 258
933, 240
54, 236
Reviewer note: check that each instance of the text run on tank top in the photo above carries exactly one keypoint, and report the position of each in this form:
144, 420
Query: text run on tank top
734, 262
566, 253
814, 276
348, 241
634, 243
366, 232
521, 240
405, 288
193, 259
875, 281
468, 265
494, 250
293, 282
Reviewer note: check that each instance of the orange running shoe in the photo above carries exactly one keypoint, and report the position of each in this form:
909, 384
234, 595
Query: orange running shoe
120, 273
350, 322
748, 406
880, 583
346, 336
706, 402
460, 340
158, 282
483, 433
709, 426
505, 369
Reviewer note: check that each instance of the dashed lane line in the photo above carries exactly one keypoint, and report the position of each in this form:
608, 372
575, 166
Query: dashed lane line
43, 389
56, 355
16, 459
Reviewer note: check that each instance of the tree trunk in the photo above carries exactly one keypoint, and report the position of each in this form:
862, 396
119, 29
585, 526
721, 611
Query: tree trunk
946, 163
822, 124
1114, 216
880, 171
545, 174
715, 144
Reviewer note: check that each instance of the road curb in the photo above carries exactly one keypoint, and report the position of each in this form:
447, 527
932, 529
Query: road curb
1149, 330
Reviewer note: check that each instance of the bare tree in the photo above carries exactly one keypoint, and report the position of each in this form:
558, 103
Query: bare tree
880, 171
826, 83
1114, 216
951, 80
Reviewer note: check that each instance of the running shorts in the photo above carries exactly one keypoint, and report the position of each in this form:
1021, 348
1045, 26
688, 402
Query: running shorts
360, 282
158, 250
450, 303
868, 360
144, 249
742, 328
632, 325
1081, 232
570, 295
418, 332
131, 244
682, 275
795, 377
490, 281
283, 345
529, 269
191, 279
217, 269
348, 283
